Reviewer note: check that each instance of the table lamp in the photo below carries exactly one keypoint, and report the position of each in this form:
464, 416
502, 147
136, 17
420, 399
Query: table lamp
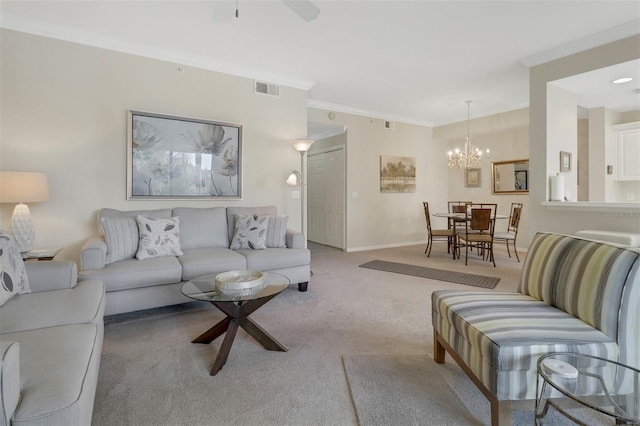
23, 187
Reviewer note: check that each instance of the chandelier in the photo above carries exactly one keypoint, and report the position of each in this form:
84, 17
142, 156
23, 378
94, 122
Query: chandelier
470, 155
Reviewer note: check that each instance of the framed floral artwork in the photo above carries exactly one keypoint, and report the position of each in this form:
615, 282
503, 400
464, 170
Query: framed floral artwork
182, 158
472, 178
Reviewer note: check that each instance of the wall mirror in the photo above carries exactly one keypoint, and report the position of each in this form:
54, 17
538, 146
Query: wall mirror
510, 177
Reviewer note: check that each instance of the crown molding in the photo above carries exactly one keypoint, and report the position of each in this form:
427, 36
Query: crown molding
311, 103
604, 37
89, 38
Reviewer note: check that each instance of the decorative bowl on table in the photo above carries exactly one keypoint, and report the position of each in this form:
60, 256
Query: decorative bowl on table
239, 282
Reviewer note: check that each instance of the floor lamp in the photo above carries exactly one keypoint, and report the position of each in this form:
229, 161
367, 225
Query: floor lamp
295, 178
19, 188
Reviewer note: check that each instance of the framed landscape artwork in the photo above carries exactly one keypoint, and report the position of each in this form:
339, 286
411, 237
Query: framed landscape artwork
397, 174
182, 158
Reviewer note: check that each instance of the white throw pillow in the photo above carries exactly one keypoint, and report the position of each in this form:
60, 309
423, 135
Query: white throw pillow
250, 232
13, 276
277, 232
158, 237
121, 236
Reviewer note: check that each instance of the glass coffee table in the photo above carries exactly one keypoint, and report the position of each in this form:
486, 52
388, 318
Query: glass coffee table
237, 306
600, 384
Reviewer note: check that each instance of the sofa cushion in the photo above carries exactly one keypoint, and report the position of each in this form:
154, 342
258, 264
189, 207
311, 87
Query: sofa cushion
57, 382
83, 303
276, 258
196, 263
202, 228
9, 380
13, 276
130, 213
158, 237
250, 232
246, 211
133, 273
277, 232
121, 236
583, 278
510, 331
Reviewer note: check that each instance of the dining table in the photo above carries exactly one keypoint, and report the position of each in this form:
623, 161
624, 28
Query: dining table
461, 217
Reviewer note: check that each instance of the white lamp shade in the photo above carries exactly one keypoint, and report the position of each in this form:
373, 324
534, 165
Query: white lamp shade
23, 187
294, 179
302, 145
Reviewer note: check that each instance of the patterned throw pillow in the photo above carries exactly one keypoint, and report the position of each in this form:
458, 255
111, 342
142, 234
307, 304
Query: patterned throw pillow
277, 232
250, 232
121, 236
13, 276
158, 237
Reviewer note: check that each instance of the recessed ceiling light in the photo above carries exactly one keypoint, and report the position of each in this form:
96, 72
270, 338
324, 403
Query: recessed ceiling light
622, 80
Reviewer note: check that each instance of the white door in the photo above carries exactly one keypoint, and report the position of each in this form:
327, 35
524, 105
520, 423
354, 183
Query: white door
326, 189
316, 198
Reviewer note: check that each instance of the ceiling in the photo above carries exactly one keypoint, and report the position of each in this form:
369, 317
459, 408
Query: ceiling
412, 61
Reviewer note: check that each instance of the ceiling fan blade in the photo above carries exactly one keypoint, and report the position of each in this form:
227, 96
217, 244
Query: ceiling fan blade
303, 8
224, 10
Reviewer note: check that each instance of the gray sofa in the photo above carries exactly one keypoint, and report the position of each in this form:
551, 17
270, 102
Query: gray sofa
205, 236
50, 345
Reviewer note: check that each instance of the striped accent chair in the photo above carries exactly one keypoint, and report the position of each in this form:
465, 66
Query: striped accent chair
574, 295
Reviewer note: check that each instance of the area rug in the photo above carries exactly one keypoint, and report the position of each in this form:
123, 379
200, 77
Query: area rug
402, 390
434, 274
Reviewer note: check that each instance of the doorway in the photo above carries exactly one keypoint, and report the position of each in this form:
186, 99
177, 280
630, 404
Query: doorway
326, 197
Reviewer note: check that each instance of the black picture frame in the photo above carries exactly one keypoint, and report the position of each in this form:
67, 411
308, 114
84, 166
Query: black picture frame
521, 180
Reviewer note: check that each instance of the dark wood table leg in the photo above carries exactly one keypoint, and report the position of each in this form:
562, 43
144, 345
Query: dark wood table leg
221, 359
237, 316
213, 333
261, 336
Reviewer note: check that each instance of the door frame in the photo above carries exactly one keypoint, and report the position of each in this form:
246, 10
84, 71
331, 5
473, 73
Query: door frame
343, 148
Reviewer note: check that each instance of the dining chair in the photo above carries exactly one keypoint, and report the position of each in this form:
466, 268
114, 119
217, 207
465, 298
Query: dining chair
512, 229
438, 234
457, 207
479, 228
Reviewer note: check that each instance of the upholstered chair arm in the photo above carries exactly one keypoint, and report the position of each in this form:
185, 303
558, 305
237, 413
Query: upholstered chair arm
93, 254
294, 239
9, 380
53, 275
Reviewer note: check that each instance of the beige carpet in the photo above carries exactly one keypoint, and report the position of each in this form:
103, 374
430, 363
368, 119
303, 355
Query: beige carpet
414, 390
402, 389
151, 374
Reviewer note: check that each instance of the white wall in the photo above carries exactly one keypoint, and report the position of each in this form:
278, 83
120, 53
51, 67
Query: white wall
562, 136
64, 109
583, 160
376, 219
507, 137
565, 217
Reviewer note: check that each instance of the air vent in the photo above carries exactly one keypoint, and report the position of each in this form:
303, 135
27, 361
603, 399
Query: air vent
266, 88
389, 125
